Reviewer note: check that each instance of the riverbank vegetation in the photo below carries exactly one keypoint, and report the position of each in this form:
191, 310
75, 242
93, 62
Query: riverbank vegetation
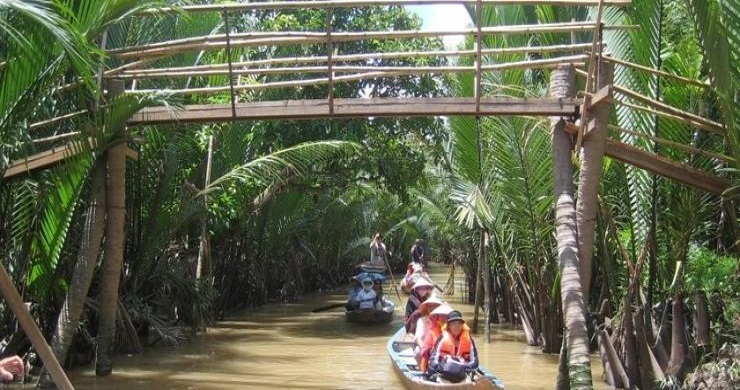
223, 216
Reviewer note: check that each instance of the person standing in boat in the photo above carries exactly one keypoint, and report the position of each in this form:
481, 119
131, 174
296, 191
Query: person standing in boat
377, 250
454, 354
417, 254
419, 293
367, 296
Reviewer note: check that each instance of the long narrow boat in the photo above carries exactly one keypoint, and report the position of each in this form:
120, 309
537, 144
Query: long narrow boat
401, 351
372, 316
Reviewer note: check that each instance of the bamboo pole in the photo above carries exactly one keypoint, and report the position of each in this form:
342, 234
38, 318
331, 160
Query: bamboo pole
301, 69
717, 127
336, 35
690, 122
51, 121
368, 3
225, 16
350, 69
675, 145
656, 72
76, 83
360, 57
217, 42
478, 63
29, 326
329, 62
537, 64
56, 137
278, 84
592, 65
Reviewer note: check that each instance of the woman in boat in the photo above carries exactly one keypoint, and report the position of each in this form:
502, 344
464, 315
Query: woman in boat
367, 296
354, 289
454, 354
431, 333
419, 318
413, 272
419, 293
377, 250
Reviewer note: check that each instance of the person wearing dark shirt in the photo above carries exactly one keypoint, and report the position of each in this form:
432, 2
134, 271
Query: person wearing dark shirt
417, 253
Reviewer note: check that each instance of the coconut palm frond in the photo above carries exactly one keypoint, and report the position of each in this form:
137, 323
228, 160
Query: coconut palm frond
55, 216
717, 28
296, 160
641, 47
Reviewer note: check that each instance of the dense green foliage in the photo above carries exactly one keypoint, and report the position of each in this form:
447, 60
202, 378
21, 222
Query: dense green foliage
291, 205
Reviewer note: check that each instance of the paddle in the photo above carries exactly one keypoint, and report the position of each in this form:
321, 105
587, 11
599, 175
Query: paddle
328, 307
336, 305
430, 281
387, 265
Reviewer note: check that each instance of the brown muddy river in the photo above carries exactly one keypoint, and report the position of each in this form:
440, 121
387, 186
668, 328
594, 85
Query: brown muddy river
285, 346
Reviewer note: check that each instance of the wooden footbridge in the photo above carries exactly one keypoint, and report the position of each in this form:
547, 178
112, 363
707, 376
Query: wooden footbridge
137, 66
143, 69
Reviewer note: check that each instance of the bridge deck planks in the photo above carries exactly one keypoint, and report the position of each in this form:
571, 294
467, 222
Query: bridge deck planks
346, 108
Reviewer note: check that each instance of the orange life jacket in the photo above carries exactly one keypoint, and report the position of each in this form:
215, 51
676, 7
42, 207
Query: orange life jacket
447, 344
430, 337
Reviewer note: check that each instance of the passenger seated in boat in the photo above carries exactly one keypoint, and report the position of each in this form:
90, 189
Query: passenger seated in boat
431, 333
413, 272
417, 320
354, 289
419, 293
454, 354
367, 296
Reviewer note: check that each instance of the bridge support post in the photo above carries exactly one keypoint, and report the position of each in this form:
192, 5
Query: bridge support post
115, 238
575, 362
592, 156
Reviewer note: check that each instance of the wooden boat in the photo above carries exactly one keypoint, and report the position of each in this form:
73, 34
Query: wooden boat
401, 351
372, 316
372, 267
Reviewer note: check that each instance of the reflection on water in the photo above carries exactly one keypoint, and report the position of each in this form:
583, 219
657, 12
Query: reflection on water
288, 347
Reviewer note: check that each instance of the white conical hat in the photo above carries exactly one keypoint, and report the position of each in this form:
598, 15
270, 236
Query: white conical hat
442, 310
422, 282
432, 300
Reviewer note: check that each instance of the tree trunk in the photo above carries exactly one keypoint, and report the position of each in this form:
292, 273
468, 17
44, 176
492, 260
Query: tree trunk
613, 369
630, 347
562, 83
701, 319
478, 281
111, 273
84, 270
650, 371
592, 155
115, 240
486, 287
679, 344
562, 381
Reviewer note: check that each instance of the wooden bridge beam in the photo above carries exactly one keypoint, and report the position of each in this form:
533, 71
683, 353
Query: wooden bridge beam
666, 167
347, 108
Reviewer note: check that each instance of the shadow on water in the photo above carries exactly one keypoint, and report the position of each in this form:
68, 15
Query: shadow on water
286, 346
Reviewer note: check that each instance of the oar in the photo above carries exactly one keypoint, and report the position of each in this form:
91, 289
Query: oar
328, 307
430, 281
387, 265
